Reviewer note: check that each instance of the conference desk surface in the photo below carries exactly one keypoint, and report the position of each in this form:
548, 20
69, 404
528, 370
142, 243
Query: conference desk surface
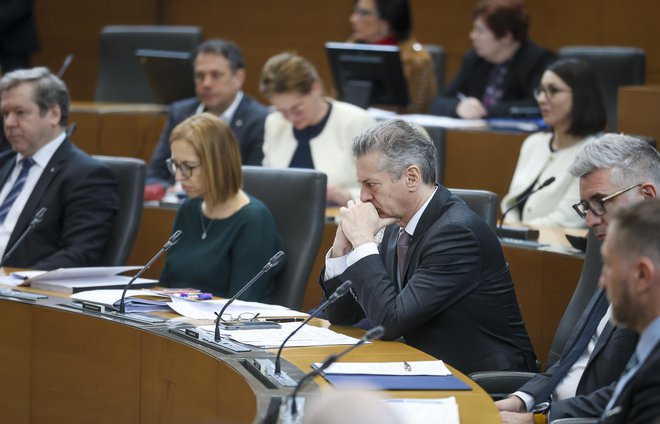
67, 366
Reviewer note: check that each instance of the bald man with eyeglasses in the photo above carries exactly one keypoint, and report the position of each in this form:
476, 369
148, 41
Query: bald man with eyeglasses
614, 170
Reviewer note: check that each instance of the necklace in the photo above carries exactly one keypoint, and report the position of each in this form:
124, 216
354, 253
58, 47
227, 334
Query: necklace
205, 228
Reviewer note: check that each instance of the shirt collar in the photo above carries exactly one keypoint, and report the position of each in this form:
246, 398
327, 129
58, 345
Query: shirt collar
42, 156
648, 340
228, 114
412, 224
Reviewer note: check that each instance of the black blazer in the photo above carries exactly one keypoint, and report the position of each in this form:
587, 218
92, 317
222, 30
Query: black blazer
525, 71
457, 303
606, 363
247, 125
81, 196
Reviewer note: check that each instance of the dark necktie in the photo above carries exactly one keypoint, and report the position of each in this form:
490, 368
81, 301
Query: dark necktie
402, 246
16, 188
626, 376
595, 316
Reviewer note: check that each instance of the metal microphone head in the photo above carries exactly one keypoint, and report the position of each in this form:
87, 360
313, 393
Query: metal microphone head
40, 215
547, 182
173, 239
341, 290
274, 260
374, 334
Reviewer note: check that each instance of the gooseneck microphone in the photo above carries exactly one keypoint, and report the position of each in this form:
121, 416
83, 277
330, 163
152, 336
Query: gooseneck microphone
271, 263
36, 220
373, 334
339, 292
523, 198
65, 65
170, 242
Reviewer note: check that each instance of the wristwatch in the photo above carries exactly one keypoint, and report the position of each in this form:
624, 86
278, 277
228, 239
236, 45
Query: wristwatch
540, 411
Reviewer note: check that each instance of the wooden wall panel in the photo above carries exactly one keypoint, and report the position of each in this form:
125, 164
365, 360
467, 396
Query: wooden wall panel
264, 28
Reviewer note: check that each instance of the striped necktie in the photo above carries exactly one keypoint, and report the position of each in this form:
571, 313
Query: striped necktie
16, 189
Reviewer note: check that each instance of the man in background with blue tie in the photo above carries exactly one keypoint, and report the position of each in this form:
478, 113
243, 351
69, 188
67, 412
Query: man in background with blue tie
44, 169
614, 170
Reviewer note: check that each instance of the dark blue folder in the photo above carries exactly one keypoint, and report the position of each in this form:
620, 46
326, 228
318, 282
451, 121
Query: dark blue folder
399, 382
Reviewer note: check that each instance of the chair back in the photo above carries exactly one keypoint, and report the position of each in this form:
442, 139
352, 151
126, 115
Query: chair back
121, 78
482, 202
129, 174
297, 200
439, 59
615, 67
584, 291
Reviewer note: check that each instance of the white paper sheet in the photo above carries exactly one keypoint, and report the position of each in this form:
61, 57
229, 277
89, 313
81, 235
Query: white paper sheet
307, 336
206, 309
424, 411
389, 368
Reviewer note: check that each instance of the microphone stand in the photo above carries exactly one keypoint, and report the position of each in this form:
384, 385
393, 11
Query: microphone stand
265, 366
271, 263
500, 231
373, 334
171, 242
36, 220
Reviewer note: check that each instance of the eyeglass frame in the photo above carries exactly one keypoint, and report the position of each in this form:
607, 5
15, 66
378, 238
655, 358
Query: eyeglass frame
600, 202
364, 12
185, 169
243, 316
549, 91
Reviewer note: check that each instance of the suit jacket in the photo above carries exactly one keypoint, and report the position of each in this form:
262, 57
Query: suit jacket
81, 196
606, 363
637, 403
247, 125
457, 302
525, 71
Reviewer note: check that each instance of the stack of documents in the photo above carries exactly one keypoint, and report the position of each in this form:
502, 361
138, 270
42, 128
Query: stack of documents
411, 375
73, 280
309, 335
135, 301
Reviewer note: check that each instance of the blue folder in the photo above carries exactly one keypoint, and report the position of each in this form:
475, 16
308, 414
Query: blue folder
399, 382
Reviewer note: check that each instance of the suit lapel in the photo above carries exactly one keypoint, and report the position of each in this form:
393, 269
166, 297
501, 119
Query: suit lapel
6, 168
581, 323
432, 213
36, 197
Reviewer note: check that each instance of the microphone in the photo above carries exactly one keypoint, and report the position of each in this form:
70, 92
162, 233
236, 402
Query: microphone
65, 65
170, 242
341, 290
523, 198
271, 263
373, 334
36, 220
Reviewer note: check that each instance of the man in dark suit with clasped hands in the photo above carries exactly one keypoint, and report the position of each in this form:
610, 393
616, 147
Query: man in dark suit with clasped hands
438, 278
44, 169
219, 76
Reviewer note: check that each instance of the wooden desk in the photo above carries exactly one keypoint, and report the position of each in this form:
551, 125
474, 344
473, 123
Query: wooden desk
110, 129
65, 366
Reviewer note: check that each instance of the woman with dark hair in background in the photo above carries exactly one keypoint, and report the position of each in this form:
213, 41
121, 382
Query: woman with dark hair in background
502, 69
388, 22
572, 106
228, 235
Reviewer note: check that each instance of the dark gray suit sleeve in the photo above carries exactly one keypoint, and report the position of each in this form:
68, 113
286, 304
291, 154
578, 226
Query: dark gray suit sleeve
588, 406
89, 202
449, 269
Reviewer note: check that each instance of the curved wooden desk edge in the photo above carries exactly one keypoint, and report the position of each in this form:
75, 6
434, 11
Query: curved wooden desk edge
70, 366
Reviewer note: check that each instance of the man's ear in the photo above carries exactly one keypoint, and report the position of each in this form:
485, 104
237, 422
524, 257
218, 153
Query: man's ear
649, 191
413, 177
